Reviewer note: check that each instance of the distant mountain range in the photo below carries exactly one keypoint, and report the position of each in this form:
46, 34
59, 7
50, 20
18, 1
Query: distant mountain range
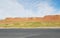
32, 19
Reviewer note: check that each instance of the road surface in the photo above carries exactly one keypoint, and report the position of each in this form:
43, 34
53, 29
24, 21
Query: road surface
29, 33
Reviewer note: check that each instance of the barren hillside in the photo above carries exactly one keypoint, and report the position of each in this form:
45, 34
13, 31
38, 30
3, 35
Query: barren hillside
32, 19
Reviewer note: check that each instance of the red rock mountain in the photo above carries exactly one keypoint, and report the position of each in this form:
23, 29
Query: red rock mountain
38, 19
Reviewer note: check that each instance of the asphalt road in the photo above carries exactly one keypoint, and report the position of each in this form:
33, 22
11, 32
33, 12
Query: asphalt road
29, 33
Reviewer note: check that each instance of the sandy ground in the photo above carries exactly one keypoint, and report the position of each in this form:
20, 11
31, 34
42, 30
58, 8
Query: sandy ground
29, 27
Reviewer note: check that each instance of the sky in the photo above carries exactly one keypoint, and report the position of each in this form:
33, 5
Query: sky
29, 8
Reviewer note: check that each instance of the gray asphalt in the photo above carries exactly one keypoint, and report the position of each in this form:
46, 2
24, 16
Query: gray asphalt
29, 33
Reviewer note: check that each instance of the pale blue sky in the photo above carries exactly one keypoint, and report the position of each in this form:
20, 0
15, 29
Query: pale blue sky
29, 8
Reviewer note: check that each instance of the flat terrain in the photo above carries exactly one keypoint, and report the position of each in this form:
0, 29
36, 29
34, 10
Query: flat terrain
30, 24
29, 33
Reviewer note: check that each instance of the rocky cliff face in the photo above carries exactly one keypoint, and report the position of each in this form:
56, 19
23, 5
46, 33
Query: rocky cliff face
36, 19
52, 18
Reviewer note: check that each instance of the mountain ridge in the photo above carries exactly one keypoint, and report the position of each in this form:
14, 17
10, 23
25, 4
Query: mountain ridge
32, 19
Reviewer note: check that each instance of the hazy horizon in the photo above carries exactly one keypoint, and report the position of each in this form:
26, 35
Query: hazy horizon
29, 8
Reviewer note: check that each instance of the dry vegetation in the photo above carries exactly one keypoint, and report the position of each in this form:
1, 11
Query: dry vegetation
32, 24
